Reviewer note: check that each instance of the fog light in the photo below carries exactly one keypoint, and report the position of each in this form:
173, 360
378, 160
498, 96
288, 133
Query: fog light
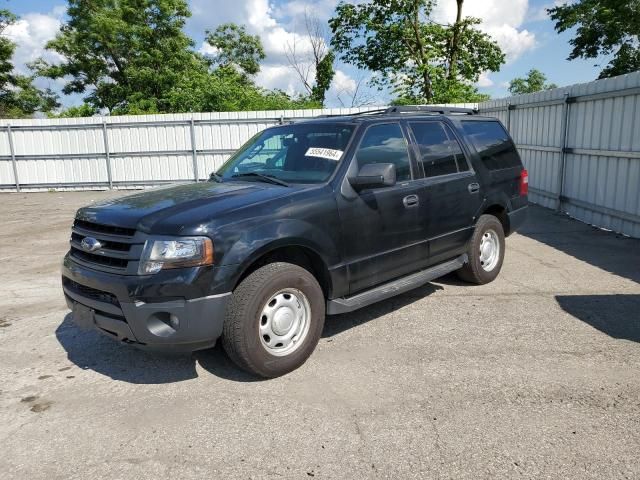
163, 324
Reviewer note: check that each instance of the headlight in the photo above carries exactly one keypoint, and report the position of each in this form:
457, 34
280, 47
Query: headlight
163, 253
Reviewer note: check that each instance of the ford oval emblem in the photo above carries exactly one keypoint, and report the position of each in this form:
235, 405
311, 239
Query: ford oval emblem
90, 244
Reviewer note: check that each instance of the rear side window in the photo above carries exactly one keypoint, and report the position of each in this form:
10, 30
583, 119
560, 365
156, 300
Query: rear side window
385, 143
440, 152
492, 143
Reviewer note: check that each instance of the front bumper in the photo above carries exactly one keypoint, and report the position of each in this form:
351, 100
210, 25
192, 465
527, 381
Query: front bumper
166, 321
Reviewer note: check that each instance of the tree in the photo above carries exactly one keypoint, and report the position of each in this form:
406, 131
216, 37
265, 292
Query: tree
227, 90
318, 60
604, 27
84, 110
535, 81
420, 60
234, 46
127, 55
19, 97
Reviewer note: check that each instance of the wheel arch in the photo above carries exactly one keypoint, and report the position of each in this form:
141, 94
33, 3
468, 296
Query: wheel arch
501, 213
296, 253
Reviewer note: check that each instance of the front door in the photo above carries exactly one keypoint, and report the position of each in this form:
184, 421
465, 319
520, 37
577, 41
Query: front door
384, 235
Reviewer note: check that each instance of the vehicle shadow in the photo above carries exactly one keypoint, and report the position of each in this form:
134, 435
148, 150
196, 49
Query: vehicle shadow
617, 315
336, 324
611, 252
90, 350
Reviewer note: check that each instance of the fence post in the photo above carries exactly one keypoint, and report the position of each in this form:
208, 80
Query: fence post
107, 153
566, 109
13, 158
509, 117
194, 151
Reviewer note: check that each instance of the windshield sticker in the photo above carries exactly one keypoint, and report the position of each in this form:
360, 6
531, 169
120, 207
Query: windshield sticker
328, 153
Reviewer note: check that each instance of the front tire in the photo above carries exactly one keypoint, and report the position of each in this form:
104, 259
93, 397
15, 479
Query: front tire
485, 252
274, 320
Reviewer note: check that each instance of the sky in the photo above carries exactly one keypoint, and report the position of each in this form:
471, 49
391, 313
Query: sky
521, 27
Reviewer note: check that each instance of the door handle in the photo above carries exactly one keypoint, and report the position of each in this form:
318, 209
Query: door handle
473, 187
410, 201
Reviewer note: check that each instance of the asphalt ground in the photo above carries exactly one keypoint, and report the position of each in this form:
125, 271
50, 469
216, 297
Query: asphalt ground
532, 376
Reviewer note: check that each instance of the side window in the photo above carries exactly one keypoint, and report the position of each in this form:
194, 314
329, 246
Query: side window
492, 143
440, 152
385, 143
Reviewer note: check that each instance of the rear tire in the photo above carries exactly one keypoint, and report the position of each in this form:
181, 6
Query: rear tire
274, 320
485, 252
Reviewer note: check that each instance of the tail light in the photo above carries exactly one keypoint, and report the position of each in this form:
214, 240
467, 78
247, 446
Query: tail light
524, 183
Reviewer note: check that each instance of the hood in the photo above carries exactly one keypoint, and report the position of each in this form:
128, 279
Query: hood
183, 203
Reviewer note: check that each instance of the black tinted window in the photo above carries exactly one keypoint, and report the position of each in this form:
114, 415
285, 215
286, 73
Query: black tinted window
493, 144
385, 144
440, 152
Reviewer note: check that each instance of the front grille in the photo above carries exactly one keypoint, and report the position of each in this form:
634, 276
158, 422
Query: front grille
119, 247
108, 229
88, 292
117, 263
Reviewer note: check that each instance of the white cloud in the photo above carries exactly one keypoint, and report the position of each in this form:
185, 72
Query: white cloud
501, 22
30, 34
484, 80
513, 42
278, 76
344, 83
208, 49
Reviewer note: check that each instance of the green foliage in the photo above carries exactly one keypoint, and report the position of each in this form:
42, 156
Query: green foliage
604, 27
535, 81
324, 76
225, 89
127, 54
132, 57
416, 58
84, 110
236, 47
19, 97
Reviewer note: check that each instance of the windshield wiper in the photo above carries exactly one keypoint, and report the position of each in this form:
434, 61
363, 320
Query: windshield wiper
263, 177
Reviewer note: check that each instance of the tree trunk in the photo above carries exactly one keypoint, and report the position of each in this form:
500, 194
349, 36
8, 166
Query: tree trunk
427, 89
455, 40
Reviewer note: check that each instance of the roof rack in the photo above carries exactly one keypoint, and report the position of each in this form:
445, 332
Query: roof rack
377, 111
415, 109
439, 110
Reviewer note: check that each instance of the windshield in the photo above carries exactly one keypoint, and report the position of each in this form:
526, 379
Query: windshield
303, 153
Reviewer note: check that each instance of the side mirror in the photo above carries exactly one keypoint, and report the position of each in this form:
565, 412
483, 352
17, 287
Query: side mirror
374, 175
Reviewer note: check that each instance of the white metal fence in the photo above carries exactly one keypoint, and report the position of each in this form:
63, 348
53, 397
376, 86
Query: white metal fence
82, 153
581, 145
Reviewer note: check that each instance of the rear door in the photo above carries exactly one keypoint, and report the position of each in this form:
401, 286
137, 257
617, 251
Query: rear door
499, 161
384, 234
451, 194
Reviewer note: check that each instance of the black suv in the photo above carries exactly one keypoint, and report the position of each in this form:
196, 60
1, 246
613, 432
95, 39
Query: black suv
306, 219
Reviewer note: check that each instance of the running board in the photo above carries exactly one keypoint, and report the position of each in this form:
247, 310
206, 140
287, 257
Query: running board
395, 287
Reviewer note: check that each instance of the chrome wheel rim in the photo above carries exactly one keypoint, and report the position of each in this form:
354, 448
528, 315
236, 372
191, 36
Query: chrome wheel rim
489, 250
284, 322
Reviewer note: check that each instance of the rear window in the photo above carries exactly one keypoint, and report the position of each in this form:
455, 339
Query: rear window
492, 143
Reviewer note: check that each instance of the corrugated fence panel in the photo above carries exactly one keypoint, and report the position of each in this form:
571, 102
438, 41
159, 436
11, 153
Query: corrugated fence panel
580, 144
592, 172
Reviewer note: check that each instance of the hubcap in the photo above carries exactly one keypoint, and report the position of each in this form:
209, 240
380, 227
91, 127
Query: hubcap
489, 250
284, 322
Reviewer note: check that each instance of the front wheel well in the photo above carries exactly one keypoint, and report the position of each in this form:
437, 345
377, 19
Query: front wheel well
500, 213
298, 255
